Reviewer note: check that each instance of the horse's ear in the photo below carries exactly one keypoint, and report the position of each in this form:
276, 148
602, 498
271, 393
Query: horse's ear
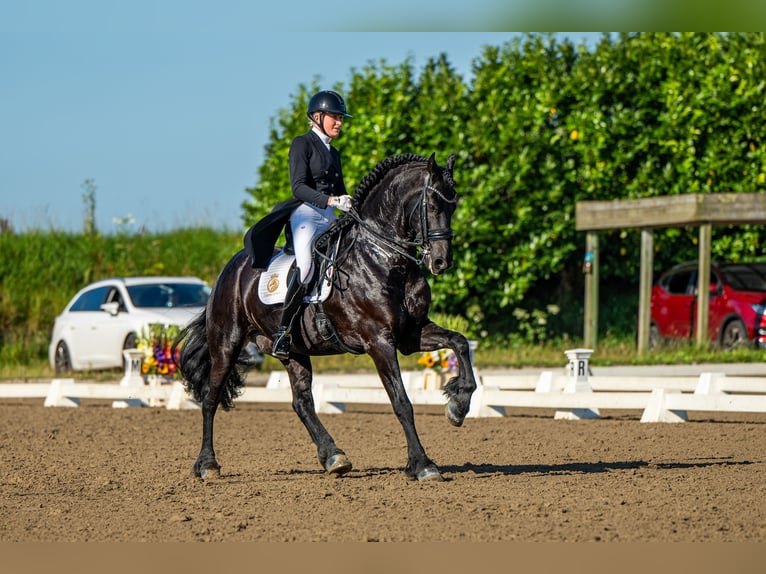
432, 163
451, 163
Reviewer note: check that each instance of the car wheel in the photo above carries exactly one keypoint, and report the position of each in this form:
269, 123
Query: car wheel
734, 335
62, 360
131, 342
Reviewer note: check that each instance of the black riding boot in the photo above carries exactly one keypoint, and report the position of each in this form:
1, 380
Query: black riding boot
296, 290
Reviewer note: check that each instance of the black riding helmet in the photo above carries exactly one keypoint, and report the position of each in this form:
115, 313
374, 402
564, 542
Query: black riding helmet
327, 101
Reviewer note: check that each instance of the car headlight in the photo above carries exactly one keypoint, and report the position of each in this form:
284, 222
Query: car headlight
759, 308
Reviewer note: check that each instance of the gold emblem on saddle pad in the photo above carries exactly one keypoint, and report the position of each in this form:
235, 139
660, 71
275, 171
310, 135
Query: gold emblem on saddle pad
273, 283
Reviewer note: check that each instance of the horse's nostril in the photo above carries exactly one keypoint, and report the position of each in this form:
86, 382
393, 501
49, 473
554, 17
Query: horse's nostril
441, 264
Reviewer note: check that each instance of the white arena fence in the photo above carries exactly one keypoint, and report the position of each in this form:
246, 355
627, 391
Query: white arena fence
661, 399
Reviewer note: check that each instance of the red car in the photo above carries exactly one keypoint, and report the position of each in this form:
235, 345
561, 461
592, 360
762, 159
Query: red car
736, 309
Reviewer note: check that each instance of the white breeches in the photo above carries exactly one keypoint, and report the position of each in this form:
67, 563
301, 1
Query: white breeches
306, 222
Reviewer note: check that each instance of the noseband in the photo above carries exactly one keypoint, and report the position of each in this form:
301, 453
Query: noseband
421, 243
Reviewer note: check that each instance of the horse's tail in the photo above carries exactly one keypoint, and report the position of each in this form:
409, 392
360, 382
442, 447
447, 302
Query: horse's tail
194, 363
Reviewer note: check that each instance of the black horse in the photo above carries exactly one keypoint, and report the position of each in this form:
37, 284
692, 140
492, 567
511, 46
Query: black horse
400, 219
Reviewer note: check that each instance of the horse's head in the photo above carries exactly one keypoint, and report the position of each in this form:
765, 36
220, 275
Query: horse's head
406, 204
438, 203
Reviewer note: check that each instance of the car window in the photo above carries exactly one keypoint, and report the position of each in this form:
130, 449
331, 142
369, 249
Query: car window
91, 300
169, 295
677, 283
745, 277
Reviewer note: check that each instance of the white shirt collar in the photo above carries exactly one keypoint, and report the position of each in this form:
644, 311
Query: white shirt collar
325, 140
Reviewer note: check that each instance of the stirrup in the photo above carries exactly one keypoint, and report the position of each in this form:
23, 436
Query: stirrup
281, 346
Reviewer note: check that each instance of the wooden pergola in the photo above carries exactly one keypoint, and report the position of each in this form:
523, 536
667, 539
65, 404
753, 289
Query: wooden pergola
695, 209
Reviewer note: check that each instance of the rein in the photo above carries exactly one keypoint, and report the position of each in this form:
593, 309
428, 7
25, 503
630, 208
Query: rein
401, 246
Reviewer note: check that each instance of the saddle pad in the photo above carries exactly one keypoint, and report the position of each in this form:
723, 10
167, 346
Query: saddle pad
272, 286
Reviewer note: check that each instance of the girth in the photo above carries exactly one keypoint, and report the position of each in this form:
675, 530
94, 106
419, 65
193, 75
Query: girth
327, 330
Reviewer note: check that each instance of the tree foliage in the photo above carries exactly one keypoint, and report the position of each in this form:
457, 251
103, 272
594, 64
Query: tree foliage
542, 125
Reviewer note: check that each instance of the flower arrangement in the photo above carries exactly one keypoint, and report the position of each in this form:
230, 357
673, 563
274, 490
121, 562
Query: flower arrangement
443, 360
156, 342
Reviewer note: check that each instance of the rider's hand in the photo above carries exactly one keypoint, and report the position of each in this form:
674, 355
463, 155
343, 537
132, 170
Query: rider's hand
342, 202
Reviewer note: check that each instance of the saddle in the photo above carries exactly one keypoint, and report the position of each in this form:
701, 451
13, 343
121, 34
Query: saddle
272, 289
272, 285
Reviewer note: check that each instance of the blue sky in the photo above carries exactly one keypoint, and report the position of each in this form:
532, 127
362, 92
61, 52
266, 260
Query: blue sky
166, 106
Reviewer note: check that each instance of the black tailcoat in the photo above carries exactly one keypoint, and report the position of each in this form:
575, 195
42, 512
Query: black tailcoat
315, 174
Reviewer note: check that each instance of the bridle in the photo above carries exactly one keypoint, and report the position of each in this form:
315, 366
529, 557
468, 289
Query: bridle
421, 243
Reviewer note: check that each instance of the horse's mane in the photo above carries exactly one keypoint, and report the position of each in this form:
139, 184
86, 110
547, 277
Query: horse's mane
368, 183
372, 179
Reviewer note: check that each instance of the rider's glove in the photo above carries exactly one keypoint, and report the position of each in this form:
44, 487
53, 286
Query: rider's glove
342, 202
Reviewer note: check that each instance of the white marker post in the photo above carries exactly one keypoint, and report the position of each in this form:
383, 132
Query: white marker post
578, 383
131, 360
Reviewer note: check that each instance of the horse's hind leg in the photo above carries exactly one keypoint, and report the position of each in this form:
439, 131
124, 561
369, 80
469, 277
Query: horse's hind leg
223, 385
332, 459
206, 462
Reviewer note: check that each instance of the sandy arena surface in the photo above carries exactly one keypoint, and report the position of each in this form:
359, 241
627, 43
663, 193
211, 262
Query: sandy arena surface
95, 473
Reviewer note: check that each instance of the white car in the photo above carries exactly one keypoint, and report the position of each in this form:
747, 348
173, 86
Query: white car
107, 317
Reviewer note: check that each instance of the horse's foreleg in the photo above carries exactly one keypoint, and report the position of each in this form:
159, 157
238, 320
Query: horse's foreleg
332, 459
419, 466
458, 389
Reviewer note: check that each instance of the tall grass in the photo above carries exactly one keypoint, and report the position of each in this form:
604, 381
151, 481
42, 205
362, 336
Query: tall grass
41, 270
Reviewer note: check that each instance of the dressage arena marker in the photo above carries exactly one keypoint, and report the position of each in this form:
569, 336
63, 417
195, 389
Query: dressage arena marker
662, 399
576, 395
578, 383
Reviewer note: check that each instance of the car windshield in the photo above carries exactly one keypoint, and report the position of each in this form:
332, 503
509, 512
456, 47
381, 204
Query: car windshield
745, 277
169, 295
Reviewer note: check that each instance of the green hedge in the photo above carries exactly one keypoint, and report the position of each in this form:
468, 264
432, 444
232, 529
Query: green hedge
541, 125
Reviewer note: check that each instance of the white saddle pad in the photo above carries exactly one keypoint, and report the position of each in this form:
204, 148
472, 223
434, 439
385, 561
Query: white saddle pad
272, 286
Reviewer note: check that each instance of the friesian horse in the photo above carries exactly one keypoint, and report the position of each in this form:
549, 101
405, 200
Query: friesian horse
400, 221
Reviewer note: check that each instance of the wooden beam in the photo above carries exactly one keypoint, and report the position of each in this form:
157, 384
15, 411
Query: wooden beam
672, 211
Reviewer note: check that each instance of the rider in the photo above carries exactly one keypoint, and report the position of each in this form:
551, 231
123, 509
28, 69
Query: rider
316, 178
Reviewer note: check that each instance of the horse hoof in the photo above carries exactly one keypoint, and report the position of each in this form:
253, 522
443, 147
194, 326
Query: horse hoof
454, 419
212, 472
338, 465
430, 474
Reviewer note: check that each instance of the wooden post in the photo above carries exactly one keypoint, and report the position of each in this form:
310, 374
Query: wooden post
645, 289
590, 268
703, 284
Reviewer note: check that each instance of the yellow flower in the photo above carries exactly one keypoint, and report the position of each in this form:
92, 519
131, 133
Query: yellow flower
427, 360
